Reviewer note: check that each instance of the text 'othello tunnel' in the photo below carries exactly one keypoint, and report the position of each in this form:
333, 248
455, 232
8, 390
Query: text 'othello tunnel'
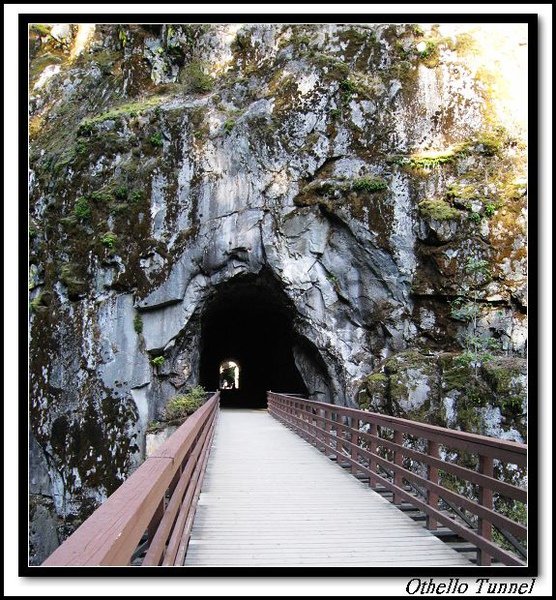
247, 341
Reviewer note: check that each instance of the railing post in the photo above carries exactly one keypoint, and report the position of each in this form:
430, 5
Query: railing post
309, 419
314, 423
337, 438
327, 429
432, 497
354, 423
373, 430
398, 460
307, 422
157, 516
486, 467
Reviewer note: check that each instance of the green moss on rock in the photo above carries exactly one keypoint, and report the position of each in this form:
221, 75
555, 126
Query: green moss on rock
438, 210
127, 110
369, 184
196, 79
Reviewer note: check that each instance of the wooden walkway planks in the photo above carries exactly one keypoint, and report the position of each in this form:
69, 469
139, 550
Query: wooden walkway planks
270, 498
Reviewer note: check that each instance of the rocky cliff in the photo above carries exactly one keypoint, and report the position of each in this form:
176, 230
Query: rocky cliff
367, 181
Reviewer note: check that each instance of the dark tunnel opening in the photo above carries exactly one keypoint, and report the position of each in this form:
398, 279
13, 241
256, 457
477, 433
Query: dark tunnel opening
249, 322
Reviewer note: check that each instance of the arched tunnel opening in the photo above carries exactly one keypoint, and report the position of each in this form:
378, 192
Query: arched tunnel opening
248, 324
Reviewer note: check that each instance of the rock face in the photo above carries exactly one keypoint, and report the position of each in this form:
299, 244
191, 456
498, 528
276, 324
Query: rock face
442, 389
354, 173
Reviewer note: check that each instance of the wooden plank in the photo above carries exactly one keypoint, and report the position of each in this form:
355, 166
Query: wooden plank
459, 500
271, 498
186, 535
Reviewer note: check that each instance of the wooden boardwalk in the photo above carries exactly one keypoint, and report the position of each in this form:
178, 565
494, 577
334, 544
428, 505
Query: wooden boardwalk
270, 498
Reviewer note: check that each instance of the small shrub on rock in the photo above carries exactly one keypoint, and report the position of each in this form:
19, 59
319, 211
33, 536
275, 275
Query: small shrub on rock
180, 407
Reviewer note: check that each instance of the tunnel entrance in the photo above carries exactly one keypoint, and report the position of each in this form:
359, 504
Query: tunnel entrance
248, 324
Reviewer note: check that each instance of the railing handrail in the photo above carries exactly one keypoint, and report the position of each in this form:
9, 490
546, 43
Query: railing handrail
323, 424
112, 533
449, 435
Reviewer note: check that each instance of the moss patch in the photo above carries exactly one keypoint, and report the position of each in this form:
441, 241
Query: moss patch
196, 79
127, 110
369, 184
439, 210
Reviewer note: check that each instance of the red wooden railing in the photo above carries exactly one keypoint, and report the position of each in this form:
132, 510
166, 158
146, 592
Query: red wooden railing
378, 447
153, 510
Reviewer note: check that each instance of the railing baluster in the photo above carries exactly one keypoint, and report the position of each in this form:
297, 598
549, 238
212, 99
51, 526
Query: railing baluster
432, 472
354, 423
398, 460
158, 514
373, 480
486, 467
328, 429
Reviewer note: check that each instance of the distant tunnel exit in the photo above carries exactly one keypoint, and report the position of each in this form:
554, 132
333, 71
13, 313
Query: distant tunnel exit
247, 338
229, 375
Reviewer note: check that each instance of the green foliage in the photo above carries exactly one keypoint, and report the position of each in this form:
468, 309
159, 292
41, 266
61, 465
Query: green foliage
68, 277
109, 240
348, 86
462, 192
369, 184
430, 49
37, 303
179, 407
439, 210
81, 147
137, 196
241, 42
156, 139
196, 79
128, 110
348, 89
475, 217
485, 144
229, 124
155, 426
33, 232
490, 209
477, 266
463, 311
511, 404
122, 36
336, 113
138, 324
426, 161
40, 28
120, 193
158, 361
416, 30
82, 209
488, 144
336, 68
121, 208
402, 50
478, 348
301, 39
